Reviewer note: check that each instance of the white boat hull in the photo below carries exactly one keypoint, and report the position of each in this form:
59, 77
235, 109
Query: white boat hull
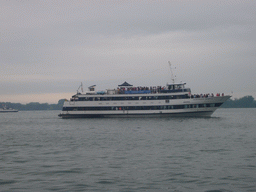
195, 112
132, 115
172, 100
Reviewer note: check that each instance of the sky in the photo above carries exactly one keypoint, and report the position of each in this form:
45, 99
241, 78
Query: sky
47, 48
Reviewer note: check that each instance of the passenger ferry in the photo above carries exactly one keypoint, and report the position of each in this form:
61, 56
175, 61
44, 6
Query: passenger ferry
130, 101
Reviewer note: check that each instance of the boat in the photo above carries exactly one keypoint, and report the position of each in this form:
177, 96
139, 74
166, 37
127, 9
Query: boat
6, 109
126, 100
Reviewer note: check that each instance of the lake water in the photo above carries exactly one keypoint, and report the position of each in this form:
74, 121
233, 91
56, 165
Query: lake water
41, 152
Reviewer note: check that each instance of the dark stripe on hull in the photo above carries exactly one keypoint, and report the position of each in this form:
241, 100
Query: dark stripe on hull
183, 114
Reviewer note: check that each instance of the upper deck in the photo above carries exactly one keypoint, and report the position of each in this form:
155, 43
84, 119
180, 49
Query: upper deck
126, 91
126, 88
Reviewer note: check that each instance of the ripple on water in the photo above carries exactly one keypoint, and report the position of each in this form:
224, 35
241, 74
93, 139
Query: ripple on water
147, 154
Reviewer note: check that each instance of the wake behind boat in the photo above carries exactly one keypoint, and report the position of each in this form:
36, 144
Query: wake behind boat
132, 101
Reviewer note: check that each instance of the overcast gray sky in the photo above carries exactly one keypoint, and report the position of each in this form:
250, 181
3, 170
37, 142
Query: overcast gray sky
47, 48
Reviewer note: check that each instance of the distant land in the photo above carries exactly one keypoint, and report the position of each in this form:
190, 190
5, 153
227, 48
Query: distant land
34, 106
244, 102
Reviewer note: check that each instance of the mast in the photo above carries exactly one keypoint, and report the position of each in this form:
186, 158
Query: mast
80, 86
172, 76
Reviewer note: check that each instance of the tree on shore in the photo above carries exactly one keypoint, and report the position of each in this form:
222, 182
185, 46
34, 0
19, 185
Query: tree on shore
34, 106
244, 102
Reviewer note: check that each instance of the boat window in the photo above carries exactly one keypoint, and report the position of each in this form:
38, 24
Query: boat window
171, 87
143, 98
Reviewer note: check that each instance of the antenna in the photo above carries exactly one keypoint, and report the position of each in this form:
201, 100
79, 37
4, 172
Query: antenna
172, 76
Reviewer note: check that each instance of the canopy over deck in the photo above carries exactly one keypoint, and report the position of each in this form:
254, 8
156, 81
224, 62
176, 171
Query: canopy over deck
125, 84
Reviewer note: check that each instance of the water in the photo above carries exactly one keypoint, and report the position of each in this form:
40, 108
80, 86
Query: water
41, 152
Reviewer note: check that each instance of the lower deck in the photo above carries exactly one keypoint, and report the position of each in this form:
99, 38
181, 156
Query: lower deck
179, 107
207, 111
